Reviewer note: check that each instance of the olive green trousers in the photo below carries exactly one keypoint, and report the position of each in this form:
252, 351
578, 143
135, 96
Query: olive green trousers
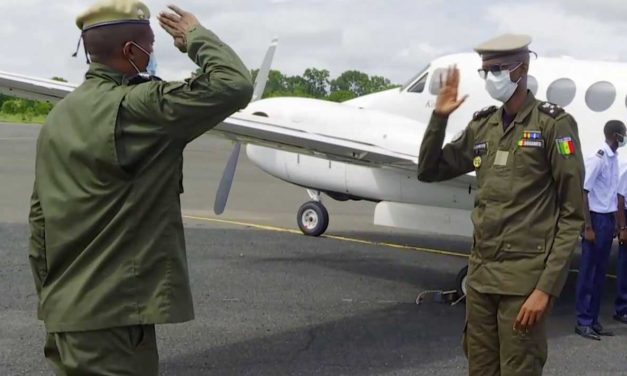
123, 351
490, 342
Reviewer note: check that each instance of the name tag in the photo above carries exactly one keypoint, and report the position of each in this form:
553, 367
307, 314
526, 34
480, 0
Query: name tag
531, 143
501, 158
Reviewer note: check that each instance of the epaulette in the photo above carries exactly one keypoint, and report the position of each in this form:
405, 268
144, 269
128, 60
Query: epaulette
550, 109
142, 79
484, 113
600, 153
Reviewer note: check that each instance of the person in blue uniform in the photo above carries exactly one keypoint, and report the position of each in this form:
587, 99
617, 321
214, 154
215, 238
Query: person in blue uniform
621, 267
601, 203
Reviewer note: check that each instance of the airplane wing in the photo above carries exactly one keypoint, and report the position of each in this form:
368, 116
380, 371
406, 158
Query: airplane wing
33, 88
247, 128
260, 130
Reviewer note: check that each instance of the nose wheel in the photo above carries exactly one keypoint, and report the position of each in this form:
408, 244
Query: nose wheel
313, 218
460, 281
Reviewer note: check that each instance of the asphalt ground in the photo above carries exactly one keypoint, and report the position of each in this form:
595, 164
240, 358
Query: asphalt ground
272, 302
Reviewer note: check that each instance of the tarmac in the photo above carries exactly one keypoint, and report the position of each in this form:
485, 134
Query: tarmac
270, 301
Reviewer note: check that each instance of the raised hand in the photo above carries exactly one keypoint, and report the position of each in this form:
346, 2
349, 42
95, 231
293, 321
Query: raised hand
448, 100
178, 24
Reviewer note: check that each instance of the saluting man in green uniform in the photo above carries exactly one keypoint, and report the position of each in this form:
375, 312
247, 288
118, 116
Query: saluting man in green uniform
107, 248
528, 210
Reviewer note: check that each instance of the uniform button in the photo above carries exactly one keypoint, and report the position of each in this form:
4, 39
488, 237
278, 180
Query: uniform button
508, 246
539, 248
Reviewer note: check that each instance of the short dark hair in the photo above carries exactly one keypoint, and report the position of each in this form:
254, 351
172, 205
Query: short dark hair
104, 43
614, 126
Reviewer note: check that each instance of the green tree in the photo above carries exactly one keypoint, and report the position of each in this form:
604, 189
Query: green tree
316, 82
341, 96
354, 81
378, 83
13, 107
41, 108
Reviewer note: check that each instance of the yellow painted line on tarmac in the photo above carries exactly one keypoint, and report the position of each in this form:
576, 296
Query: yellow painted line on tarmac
334, 237
243, 224
342, 238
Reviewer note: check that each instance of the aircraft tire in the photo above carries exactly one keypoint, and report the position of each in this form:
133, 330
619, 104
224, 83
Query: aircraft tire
460, 281
313, 218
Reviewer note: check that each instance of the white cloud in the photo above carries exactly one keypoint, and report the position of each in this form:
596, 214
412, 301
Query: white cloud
565, 28
392, 38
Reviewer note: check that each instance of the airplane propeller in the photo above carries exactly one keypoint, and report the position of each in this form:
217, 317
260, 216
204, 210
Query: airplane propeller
224, 189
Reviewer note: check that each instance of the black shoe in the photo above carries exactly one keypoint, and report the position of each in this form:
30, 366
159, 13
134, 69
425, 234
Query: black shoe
621, 318
587, 332
598, 329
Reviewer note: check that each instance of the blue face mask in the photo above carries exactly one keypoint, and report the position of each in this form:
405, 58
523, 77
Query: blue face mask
151, 69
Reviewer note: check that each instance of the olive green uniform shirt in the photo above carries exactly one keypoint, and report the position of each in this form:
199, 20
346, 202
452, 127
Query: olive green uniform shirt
107, 247
528, 208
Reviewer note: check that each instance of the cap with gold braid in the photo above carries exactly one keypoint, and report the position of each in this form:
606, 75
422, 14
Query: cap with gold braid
113, 12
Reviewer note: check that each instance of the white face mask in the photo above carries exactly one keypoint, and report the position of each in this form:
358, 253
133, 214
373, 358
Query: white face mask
500, 86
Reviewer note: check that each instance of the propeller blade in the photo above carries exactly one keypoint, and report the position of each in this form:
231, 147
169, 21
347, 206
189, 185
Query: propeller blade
224, 189
264, 71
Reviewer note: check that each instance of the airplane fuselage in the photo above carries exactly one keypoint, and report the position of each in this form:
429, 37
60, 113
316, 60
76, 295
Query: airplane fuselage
593, 92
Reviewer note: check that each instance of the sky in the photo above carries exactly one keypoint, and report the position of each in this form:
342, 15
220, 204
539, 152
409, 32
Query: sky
390, 38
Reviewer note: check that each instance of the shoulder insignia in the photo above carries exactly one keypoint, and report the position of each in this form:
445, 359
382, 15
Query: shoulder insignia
550, 109
484, 113
600, 153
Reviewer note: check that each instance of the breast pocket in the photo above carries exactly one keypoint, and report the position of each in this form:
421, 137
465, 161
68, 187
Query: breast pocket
530, 161
605, 175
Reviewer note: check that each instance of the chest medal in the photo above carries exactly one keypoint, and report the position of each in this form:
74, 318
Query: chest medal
477, 162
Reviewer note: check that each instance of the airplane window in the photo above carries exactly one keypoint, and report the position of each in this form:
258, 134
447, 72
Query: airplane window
434, 87
532, 84
561, 92
600, 96
419, 86
422, 71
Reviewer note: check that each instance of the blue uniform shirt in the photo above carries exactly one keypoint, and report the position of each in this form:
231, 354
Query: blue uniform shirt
601, 180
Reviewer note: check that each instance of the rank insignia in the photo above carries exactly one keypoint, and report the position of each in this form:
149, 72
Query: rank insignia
531, 139
565, 146
532, 135
481, 148
477, 162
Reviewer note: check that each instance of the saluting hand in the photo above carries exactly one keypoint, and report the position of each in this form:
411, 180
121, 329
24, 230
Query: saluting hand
178, 24
448, 100
532, 311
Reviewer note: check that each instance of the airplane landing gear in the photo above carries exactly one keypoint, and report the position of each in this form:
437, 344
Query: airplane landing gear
313, 218
460, 281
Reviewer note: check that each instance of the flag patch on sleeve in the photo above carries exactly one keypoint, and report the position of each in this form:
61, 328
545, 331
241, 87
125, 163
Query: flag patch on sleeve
565, 146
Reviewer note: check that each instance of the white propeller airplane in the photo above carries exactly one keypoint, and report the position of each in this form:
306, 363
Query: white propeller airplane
367, 148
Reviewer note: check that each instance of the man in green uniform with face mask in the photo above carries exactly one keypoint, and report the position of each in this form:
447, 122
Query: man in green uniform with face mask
107, 248
528, 210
